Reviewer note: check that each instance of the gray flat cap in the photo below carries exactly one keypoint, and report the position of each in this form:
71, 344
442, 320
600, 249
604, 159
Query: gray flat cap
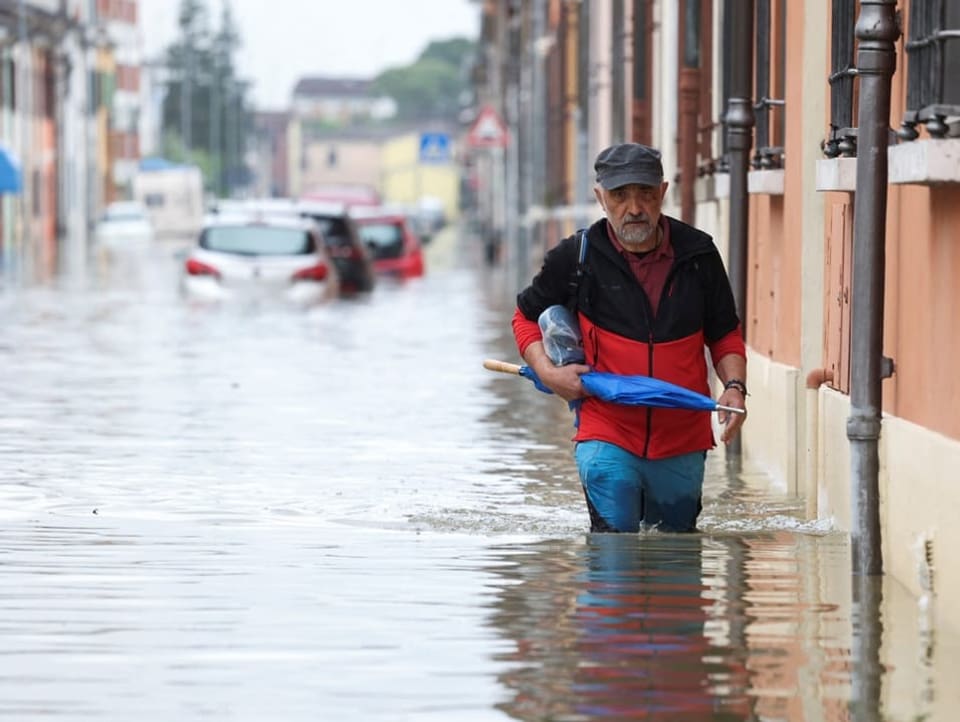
627, 163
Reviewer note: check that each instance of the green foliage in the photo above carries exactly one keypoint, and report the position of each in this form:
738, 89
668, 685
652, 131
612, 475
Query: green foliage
431, 87
453, 51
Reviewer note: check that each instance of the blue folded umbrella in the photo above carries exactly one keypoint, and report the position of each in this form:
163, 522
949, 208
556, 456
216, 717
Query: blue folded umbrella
627, 390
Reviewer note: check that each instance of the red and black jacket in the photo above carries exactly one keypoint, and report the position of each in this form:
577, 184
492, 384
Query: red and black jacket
620, 334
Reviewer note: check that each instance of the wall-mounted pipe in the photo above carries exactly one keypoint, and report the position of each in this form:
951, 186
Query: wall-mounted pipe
740, 121
811, 486
876, 31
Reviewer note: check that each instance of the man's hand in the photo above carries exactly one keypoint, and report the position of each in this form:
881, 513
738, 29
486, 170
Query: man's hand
731, 421
564, 381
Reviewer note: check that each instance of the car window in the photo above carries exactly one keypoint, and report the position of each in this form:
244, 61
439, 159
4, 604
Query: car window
257, 240
385, 240
334, 230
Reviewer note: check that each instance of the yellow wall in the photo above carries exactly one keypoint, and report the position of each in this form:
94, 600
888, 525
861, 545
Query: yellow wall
405, 180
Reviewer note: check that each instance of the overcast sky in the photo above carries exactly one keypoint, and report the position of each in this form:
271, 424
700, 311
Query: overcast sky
284, 40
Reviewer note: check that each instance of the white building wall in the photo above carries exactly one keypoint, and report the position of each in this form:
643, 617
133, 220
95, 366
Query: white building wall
665, 78
600, 93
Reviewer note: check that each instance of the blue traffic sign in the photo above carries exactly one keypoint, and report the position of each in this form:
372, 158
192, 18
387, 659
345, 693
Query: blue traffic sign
435, 148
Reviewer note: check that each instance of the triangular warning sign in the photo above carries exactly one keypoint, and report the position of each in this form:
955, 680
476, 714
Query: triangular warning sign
488, 130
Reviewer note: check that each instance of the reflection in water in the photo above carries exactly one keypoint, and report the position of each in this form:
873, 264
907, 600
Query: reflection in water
673, 627
867, 633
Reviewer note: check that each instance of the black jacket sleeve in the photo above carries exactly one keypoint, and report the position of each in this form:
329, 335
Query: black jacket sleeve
554, 282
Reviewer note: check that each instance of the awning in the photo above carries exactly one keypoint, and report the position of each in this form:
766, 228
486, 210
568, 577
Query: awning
10, 180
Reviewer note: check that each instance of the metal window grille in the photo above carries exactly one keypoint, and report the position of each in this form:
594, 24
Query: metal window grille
933, 65
706, 161
766, 154
842, 139
726, 71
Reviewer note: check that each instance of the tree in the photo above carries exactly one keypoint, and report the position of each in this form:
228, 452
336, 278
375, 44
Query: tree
453, 51
431, 87
205, 108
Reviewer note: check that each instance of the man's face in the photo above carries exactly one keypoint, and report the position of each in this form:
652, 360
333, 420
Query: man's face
634, 212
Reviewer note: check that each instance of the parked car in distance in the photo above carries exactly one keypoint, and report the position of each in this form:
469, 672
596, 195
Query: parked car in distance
124, 226
339, 233
396, 249
350, 254
250, 257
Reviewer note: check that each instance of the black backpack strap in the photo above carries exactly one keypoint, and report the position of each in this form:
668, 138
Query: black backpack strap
582, 252
574, 284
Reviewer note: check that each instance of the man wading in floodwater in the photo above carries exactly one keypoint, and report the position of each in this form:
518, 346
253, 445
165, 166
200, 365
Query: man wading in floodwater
650, 294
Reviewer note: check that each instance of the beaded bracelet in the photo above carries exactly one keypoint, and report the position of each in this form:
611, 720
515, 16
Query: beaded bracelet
738, 385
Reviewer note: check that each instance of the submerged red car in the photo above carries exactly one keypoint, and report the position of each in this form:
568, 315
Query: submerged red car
396, 250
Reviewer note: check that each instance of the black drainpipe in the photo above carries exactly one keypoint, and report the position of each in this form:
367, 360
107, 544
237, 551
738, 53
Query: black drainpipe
740, 122
876, 32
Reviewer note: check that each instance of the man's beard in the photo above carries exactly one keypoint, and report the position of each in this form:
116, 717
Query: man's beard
636, 230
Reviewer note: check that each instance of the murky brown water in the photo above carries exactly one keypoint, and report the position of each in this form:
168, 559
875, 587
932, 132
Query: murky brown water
248, 513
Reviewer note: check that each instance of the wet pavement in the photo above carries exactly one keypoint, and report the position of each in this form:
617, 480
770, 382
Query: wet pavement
254, 513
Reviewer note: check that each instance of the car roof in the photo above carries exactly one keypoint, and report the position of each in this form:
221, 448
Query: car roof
382, 217
258, 218
279, 205
327, 208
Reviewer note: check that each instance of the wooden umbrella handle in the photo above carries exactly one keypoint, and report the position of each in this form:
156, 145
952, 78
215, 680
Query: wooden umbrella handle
501, 366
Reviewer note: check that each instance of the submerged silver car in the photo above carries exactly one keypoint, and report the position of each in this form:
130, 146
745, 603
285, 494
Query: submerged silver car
258, 258
125, 226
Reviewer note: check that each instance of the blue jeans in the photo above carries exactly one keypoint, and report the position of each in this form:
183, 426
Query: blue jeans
624, 491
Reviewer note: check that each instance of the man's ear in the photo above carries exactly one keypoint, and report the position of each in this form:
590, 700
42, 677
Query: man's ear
663, 189
599, 195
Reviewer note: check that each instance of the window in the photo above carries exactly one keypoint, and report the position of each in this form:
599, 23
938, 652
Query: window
933, 64
770, 83
842, 138
258, 240
385, 240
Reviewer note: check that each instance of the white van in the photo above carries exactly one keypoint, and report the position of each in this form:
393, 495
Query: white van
172, 195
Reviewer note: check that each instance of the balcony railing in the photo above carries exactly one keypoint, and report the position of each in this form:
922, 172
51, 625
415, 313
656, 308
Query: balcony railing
933, 64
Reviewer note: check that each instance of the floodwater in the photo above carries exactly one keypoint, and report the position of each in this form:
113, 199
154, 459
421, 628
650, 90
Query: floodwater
254, 513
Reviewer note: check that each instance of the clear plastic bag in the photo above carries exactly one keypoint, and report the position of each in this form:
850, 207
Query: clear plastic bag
561, 336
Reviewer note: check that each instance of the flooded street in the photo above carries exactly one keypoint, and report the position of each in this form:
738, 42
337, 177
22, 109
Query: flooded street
253, 513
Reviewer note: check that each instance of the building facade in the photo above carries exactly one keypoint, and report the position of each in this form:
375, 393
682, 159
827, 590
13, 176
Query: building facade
69, 113
596, 72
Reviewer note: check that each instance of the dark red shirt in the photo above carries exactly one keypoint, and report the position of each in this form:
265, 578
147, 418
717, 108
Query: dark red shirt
651, 268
